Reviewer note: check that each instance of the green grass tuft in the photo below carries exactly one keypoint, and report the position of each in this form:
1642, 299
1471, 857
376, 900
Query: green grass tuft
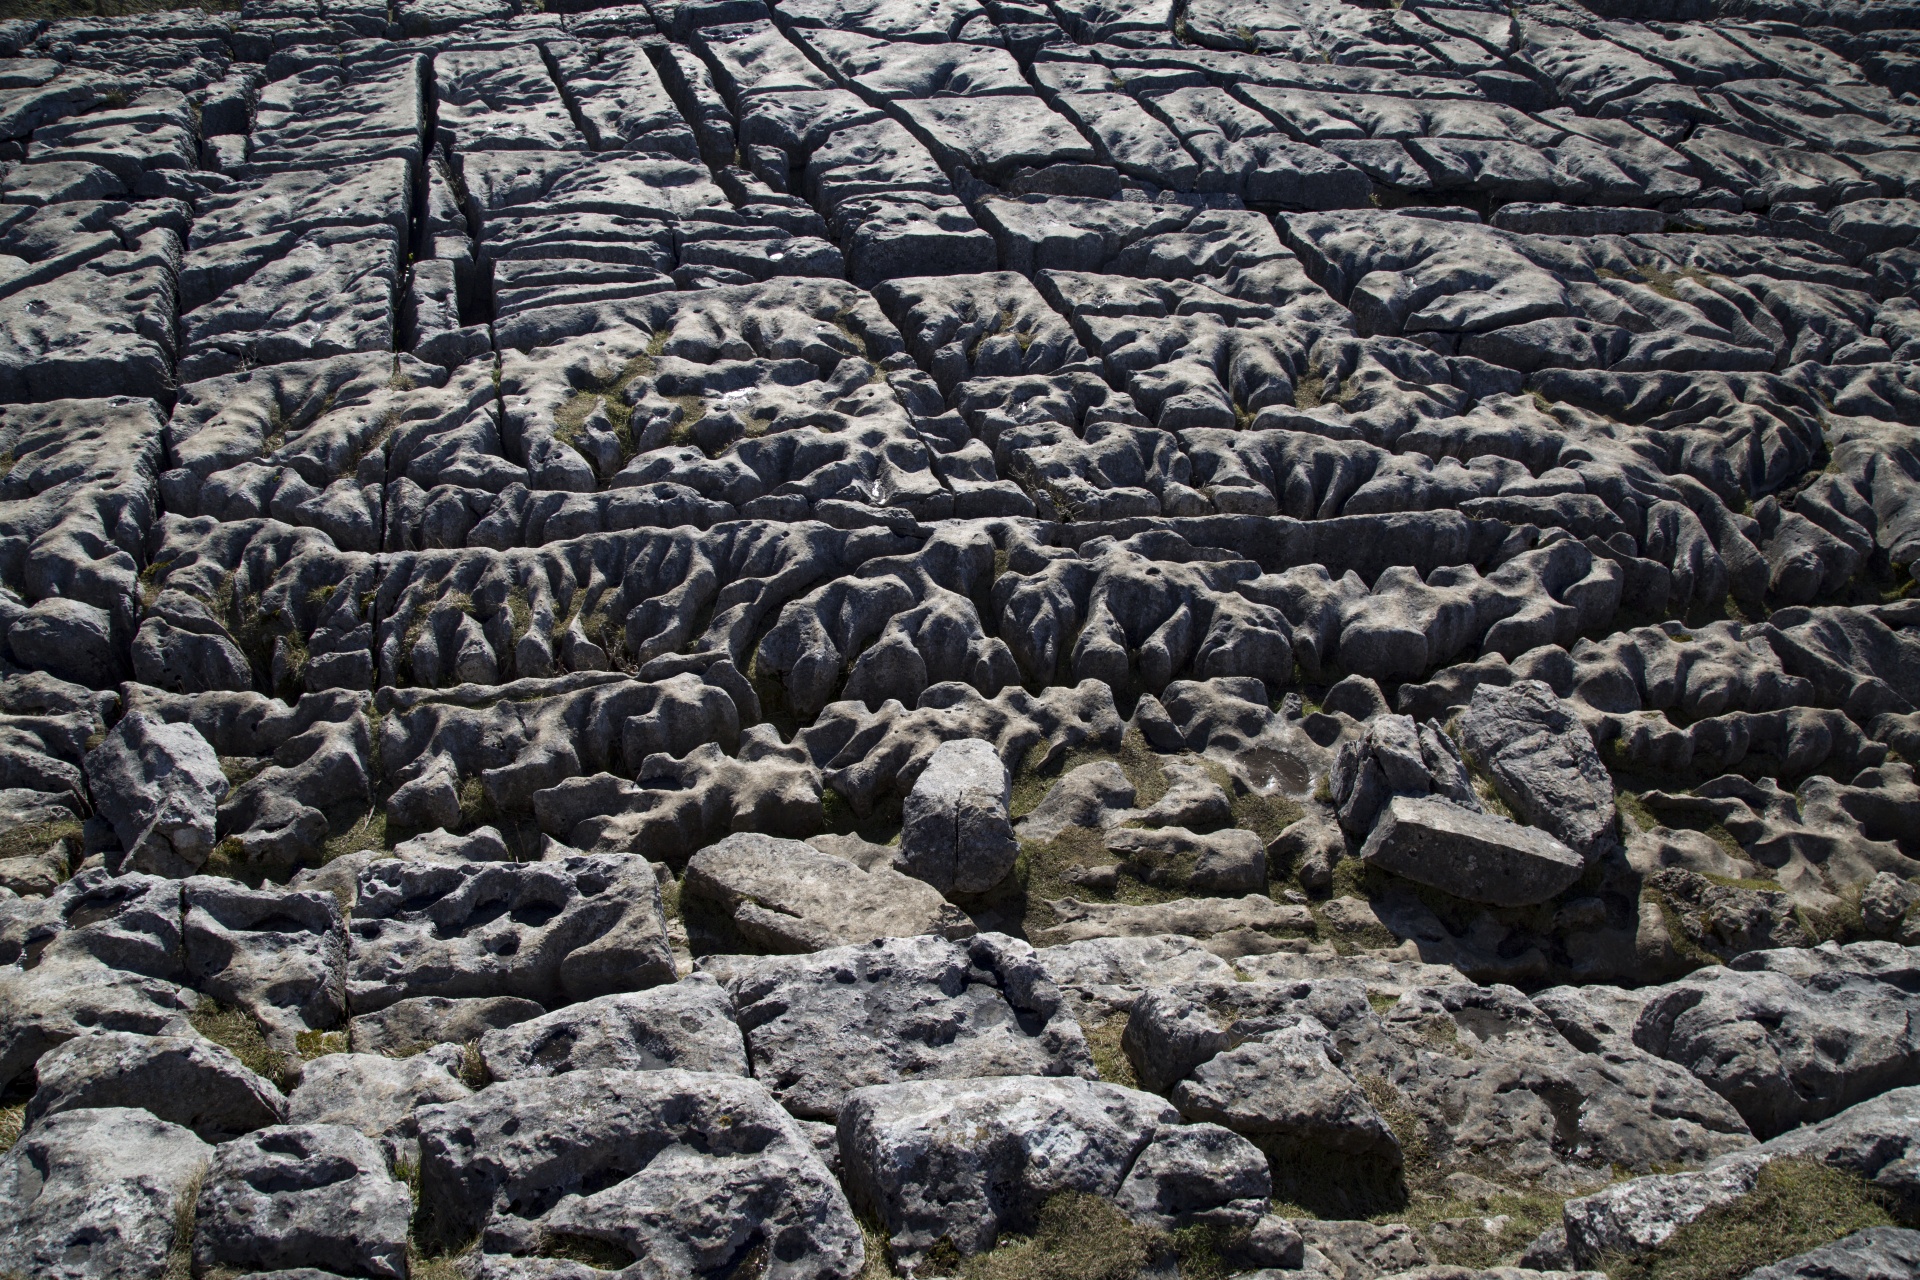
1108, 1058
236, 1031
1482, 1232
1795, 1206
21, 842
13, 1120
1078, 1237
180, 1254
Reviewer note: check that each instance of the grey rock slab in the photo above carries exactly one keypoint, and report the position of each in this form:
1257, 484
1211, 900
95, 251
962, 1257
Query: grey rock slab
102, 330
160, 785
887, 236
966, 1160
303, 1195
341, 876
1130, 139
278, 954
621, 102
1284, 1089
1227, 862
688, 1024
183, 1080
1475, 856
683, 1169
1361, 1250
374, 195
997, 134
1485, 1075
501, 100
819, 1026
1542, 761
1576, 220
1785, 1051
1878, 1253
1878, 1139
1639, 1215
1875, 1140
1110, 973
377, 1095
1090, 795
1232, 926
69, 638
955, 830
97, 1194
419, 1022
326, 295
551, 932
65, 995
762, 893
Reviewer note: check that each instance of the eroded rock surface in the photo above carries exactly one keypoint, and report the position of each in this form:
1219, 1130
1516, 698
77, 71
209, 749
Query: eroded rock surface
583, 585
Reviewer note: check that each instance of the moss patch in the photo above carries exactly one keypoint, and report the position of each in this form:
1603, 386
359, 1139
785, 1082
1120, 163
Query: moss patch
1635, 811
1841, 922
473, 1068
878, 1265
1796, 1205
353, 833
180, 1253
13, 1120
591, 1251
1481, 1232
1682, 942
1265, 815
1108, 1058
438, 1266
1078, 1237
1041, 876
236, 1031
318, 1044
1139, 762
26, 841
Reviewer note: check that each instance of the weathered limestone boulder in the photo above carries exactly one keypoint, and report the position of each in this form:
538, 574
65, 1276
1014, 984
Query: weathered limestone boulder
1472, 1074
551, 932
1878, 1141
1543, 763
687, 1024
683, 1170
302, 1195
765, 894
1786, 1049
1877, 1252
820, 1026
1394, 756
160, 785
966, 1160
956, 833
420, 1022
1282, 1089
1250, 924
377, 1095
97, 1193
183, 1080
102, 953
280, 954
1476, 856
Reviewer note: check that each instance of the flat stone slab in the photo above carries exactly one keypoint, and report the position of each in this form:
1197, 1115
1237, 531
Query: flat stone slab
1475, 856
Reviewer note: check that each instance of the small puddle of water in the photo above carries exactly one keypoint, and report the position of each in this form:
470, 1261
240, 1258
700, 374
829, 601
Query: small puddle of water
1268, 770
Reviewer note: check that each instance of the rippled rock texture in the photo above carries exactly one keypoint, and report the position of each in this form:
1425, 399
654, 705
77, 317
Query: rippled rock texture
804, 639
